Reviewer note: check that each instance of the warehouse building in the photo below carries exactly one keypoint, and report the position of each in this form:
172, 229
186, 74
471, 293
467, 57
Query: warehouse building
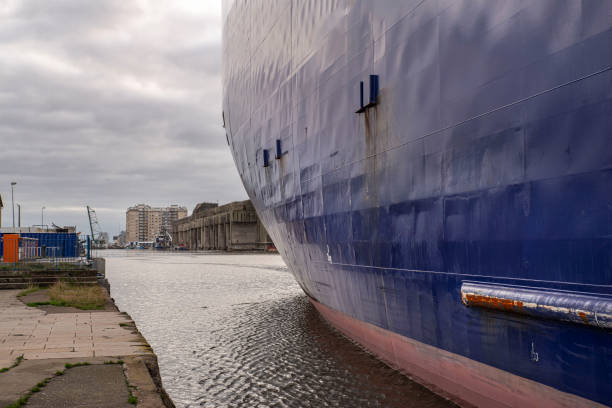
230, 227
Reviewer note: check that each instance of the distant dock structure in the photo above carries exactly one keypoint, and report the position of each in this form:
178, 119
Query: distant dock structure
230, 227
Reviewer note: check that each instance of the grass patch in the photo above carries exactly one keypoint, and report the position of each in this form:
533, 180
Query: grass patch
18, 361
132, 400
52, 302
113, 362
124, 324
30, 289
85, 297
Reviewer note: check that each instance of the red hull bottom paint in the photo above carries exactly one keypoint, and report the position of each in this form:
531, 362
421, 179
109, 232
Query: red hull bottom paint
464, 381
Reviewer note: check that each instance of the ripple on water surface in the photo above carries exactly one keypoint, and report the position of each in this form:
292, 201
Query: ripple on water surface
237, 331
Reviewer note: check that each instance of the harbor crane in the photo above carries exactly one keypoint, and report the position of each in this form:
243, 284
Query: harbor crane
94, 227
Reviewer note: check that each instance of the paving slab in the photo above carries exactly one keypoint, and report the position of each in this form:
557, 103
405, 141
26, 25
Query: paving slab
17, 381
47, 341
94, 386
36, 334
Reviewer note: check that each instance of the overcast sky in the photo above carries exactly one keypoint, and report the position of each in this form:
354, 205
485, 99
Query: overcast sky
110, 103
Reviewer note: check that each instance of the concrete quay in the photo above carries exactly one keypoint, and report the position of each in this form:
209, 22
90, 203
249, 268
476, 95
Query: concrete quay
36, 346
230, 227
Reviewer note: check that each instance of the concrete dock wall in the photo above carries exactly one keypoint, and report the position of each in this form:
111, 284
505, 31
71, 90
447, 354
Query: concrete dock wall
233, 226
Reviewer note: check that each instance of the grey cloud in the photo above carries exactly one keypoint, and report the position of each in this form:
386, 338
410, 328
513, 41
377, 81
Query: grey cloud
110, 103
199, 59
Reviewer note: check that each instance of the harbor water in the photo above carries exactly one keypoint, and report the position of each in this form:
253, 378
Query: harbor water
235, 330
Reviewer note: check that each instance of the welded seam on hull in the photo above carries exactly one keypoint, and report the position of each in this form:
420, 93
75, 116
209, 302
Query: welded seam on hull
464, 275
465, 121
384, 294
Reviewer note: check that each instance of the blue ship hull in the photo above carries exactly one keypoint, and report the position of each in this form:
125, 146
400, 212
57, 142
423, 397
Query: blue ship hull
459, 201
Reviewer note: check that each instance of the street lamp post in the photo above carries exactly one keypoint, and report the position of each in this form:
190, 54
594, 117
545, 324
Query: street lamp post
42, 216
13, 183
19, 215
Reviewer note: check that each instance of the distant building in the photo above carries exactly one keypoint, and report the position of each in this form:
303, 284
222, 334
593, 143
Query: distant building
233, 226
65, 228
144, 223
120, 239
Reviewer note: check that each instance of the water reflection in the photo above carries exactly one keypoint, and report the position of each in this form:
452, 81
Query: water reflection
237, 331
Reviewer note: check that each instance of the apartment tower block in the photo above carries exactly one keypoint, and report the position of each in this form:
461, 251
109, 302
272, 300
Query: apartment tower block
144, 223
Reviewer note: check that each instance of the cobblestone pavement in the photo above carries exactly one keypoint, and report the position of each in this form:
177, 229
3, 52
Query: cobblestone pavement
37, 335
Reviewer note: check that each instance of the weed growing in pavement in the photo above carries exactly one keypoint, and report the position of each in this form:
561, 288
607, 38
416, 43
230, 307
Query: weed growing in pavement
24, 399
20, 402
132, 399
18, 361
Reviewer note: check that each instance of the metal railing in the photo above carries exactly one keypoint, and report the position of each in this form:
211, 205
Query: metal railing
27, 248
32, 257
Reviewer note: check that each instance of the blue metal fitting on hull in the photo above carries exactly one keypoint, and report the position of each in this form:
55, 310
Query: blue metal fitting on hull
279, 150
373, 89
361, 95
373, 94
589, 309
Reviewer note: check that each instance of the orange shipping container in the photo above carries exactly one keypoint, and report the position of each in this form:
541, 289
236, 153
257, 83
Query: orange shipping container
11, 248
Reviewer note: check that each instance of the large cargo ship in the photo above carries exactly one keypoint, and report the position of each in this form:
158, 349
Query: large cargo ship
437, 174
